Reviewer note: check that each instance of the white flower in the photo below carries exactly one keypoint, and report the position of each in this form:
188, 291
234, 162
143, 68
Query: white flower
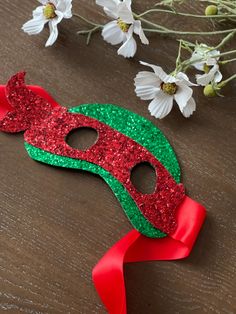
163, 89
208, 65
51, 12
122, 28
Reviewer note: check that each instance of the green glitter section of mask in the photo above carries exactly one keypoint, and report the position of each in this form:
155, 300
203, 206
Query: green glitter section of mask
136, 127
136, 218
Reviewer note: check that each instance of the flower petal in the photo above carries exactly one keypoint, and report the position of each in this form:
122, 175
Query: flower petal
38, 12
157, 70
170, 79
182, 77
147, 85
204, 79
112, 33
146, 92
196, 56
53, 34
214, 53
54, 2
188, 110
213, 75
43, 2
211, 61
65, 7
161, 105
109, 4
58, 18
139, 31
128, 49
53, 29
199, 65
36, 24
147, 78
182, 96
125, 13
110, 7
128, 3
218, 76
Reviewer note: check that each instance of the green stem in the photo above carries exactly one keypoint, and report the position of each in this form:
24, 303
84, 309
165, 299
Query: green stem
89, 32
86, 20
171, 31
228, 8
225, 40
227, 61
230, 3
223, 83
232, 20
158, 26
163, 30
185, 14
178, 61
224, 54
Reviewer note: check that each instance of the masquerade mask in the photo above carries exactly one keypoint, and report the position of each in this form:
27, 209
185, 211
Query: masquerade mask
124, 141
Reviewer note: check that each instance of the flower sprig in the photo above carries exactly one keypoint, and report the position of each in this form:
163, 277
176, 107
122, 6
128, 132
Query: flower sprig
163, 89
125, 25
125, 20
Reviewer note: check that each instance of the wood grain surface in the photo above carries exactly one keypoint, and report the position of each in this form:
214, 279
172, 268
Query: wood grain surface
56, 223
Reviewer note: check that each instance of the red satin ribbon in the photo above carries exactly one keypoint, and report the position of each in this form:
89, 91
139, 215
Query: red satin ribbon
4, 104
108, 275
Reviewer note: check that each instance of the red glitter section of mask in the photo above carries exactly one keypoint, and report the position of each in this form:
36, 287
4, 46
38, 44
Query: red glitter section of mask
26, 106
117, 154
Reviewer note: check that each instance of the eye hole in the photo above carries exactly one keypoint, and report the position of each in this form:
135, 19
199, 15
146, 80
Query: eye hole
143, 177
82, 138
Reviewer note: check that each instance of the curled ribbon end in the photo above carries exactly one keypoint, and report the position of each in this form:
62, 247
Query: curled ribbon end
108, 274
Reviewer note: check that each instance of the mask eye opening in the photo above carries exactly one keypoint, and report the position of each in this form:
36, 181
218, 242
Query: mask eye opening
143, 177
82, 138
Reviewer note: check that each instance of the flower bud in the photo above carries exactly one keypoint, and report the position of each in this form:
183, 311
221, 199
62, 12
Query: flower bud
209, 91
211, 10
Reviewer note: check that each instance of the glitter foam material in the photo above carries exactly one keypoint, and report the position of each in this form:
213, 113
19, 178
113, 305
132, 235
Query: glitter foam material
137, 128
117, 154
121, 145
26, 107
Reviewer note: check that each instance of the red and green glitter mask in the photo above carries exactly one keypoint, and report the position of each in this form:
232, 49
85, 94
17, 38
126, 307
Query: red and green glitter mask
166, 222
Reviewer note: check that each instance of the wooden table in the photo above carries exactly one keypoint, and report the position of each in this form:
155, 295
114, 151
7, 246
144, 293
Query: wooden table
56, 223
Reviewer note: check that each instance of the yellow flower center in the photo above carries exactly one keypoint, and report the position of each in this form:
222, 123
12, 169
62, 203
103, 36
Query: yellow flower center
123, 26
169, 88
49, 11
206, 68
